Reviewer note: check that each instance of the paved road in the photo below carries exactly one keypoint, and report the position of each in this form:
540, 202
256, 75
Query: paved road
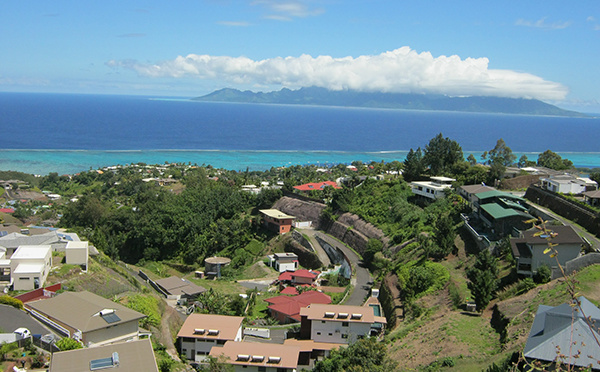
361, 280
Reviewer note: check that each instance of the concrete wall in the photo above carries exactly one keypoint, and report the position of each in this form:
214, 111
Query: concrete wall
326, 331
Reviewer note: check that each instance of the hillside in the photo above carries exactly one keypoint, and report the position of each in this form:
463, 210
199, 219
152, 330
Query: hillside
406, 101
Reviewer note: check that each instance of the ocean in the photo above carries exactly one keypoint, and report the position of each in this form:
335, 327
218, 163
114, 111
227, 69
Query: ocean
43, 133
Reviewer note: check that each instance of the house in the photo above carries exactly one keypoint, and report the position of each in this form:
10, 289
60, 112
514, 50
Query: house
132, 356
501, 212
284, 261
468, 192
568, 184
286, 309
340, 324
592, 197
30, 266
433, 189
77, 253
307, 187
87, 317
200, 333
311, 350
277, 221
301, 276
255, 357
529, 248
566, 334
179, 288
55, 239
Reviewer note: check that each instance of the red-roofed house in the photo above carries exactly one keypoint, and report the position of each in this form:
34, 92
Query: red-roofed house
289, 291
301, 276
316, 186
287, 309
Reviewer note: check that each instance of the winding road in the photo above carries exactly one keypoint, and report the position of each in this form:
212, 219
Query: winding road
361, 280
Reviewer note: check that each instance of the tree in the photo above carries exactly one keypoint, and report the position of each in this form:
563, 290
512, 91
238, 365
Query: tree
364, 355
500, 157
525, 162
413, 165
444, 236
471, 159
441, 154
483, 279
552, 160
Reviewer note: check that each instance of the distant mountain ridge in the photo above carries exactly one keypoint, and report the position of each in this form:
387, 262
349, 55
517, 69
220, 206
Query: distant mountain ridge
406, 101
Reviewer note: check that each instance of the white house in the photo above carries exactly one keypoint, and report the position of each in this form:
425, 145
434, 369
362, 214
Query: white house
29, 266
529, 248
77, 253
339, 324
568, 184
433, 189
201, 332
283, 262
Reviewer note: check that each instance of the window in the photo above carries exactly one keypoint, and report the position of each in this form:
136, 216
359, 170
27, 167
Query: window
322, 321
344, 335
318, 333
330, 334
221, 342
262, 369
344, 324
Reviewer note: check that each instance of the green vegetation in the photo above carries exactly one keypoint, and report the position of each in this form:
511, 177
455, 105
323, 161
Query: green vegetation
364, 355
67, 343
483, 279
10, 301
147, 305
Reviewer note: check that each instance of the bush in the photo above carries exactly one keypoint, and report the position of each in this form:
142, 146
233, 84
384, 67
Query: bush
543, 274
67, 343
11, 301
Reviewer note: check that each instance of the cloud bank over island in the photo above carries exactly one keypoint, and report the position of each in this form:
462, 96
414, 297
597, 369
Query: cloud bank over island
399, 71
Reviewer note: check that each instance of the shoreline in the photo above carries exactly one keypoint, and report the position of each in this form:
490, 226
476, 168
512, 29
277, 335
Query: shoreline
43, 162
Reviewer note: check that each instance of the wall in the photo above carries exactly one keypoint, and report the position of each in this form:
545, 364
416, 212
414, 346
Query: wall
581, 215
306, 258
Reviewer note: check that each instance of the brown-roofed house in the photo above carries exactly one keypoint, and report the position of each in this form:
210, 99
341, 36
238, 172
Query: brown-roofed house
201, 332
177, 288
87, 317
529, 248
132, 356
340, 324
259, 357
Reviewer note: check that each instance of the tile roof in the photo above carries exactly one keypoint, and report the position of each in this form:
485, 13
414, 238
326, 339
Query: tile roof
227, 326
345, 313
317, 186
290, 306
133, 356
302, 273
81, 310
258, 354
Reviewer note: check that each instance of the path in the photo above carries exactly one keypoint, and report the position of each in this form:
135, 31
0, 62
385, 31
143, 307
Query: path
361, 280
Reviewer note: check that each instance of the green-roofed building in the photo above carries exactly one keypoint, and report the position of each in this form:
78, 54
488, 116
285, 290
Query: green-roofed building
503, 219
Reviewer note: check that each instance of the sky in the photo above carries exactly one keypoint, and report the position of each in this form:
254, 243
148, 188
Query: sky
548, 50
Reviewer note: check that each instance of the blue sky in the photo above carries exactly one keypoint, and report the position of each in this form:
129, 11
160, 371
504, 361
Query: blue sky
548, 50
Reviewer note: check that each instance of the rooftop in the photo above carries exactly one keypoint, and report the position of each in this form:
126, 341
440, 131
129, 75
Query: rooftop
131, 356
275, 213
260, 355
82, 310
561, 235
204, 326
179, 286
341, 313
31, 252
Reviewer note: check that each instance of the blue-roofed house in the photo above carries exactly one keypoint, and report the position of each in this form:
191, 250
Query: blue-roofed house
567, 334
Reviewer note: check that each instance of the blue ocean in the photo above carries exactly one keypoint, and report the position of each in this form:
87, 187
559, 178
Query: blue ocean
44, 133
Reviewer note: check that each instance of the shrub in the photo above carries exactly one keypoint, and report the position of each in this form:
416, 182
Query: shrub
11, 301
543, 274
67, 343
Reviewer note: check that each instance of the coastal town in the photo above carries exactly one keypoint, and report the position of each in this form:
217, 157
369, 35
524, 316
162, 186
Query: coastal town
427, 266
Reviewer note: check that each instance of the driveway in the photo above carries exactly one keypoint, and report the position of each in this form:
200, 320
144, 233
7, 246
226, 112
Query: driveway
361, 279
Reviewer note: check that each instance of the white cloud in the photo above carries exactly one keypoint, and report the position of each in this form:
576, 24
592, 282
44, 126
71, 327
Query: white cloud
285, 10
401, 71
591, 19
541, 23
